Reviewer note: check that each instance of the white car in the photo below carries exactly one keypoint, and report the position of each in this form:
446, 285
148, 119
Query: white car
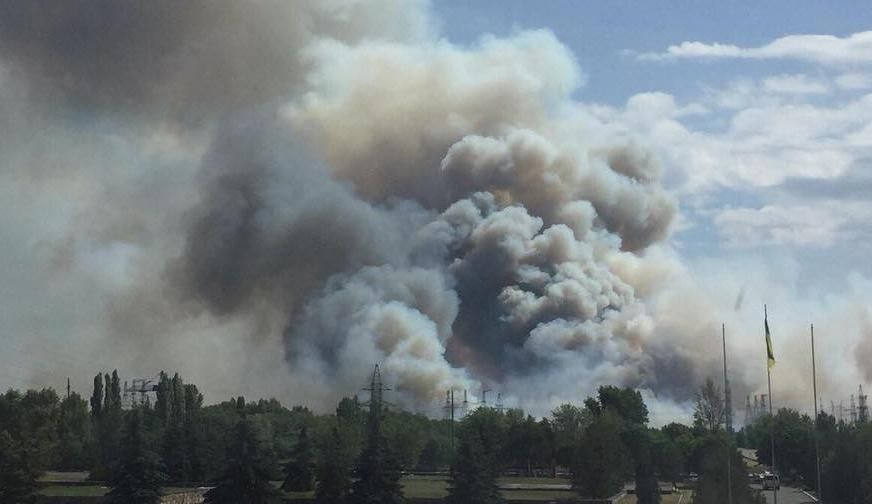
771, 482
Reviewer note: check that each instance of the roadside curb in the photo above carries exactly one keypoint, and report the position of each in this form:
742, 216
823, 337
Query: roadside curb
812, 497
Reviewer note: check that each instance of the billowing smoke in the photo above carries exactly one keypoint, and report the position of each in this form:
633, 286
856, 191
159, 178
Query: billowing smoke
275, 196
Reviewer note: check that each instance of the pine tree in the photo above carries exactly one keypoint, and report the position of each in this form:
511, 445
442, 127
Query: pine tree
378, 472
163, 403
97, 397
193, 434
17, 474
300, 471
333, 470
139, 476
473, 478
112, 421
175, 449
246, 479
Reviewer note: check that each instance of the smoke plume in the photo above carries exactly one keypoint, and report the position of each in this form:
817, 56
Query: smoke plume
274, 196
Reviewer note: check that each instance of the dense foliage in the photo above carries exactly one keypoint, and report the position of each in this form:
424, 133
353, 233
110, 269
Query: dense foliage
845, 452
243, 449
139, 477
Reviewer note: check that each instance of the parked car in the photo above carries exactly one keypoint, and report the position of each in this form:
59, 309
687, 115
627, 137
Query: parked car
771, 482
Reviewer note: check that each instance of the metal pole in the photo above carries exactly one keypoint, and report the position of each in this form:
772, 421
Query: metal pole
817, 453
771, 416
728, 423
452, 421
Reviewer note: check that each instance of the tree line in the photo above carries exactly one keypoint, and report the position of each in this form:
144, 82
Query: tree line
845, 452
356, 454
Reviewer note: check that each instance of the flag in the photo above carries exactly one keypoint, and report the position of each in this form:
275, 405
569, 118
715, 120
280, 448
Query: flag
770, 355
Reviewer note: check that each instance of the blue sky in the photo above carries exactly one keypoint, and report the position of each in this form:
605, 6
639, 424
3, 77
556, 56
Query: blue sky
598, 33
606, 38
758, 114
767, 146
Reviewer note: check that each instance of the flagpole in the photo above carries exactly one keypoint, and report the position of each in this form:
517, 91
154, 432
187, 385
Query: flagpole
771, 416
817, 452
728, 422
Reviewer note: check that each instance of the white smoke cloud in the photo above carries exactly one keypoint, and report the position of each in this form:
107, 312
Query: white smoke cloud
342, 189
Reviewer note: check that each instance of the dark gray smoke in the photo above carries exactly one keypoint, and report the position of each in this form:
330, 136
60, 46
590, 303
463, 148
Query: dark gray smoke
321, 186
189, 61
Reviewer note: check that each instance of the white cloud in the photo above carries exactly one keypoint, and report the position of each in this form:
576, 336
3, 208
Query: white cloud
818, 226
743, 146
854, 81
823, 49
795, 84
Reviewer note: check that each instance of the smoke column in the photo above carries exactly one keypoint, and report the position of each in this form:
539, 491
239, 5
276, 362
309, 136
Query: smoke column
275, 196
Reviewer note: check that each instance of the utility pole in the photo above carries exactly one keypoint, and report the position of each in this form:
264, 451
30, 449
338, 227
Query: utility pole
771, 416
449, 415
728, 420
817, 448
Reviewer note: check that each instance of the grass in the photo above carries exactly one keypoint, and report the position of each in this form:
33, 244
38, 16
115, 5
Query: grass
683, 496
73, 491
413, 486
436, 487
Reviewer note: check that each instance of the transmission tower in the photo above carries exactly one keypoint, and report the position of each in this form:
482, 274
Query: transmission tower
499, 404
376, 391
755, 411
852, 410
863, 407
450, 408
137, 392
484, 391
749, 413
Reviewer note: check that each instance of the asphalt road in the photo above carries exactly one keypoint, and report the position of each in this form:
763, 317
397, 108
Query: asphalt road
788, 495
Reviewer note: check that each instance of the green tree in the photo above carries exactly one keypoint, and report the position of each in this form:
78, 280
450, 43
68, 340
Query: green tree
568, 423
794, 443
638, 440
97, 397
163, 402
17, 472
846, 461
139, 477
602, 460
333, 473
378, 472
300, 470
667, 457
74, 435
246, 478
433, 456
39, 412
627, 403
175, 447
193, 433
710, 413
107, 422
714, 450
473, 478
682, 437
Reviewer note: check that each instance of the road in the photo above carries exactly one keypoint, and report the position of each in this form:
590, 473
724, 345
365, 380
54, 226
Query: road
787, 495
